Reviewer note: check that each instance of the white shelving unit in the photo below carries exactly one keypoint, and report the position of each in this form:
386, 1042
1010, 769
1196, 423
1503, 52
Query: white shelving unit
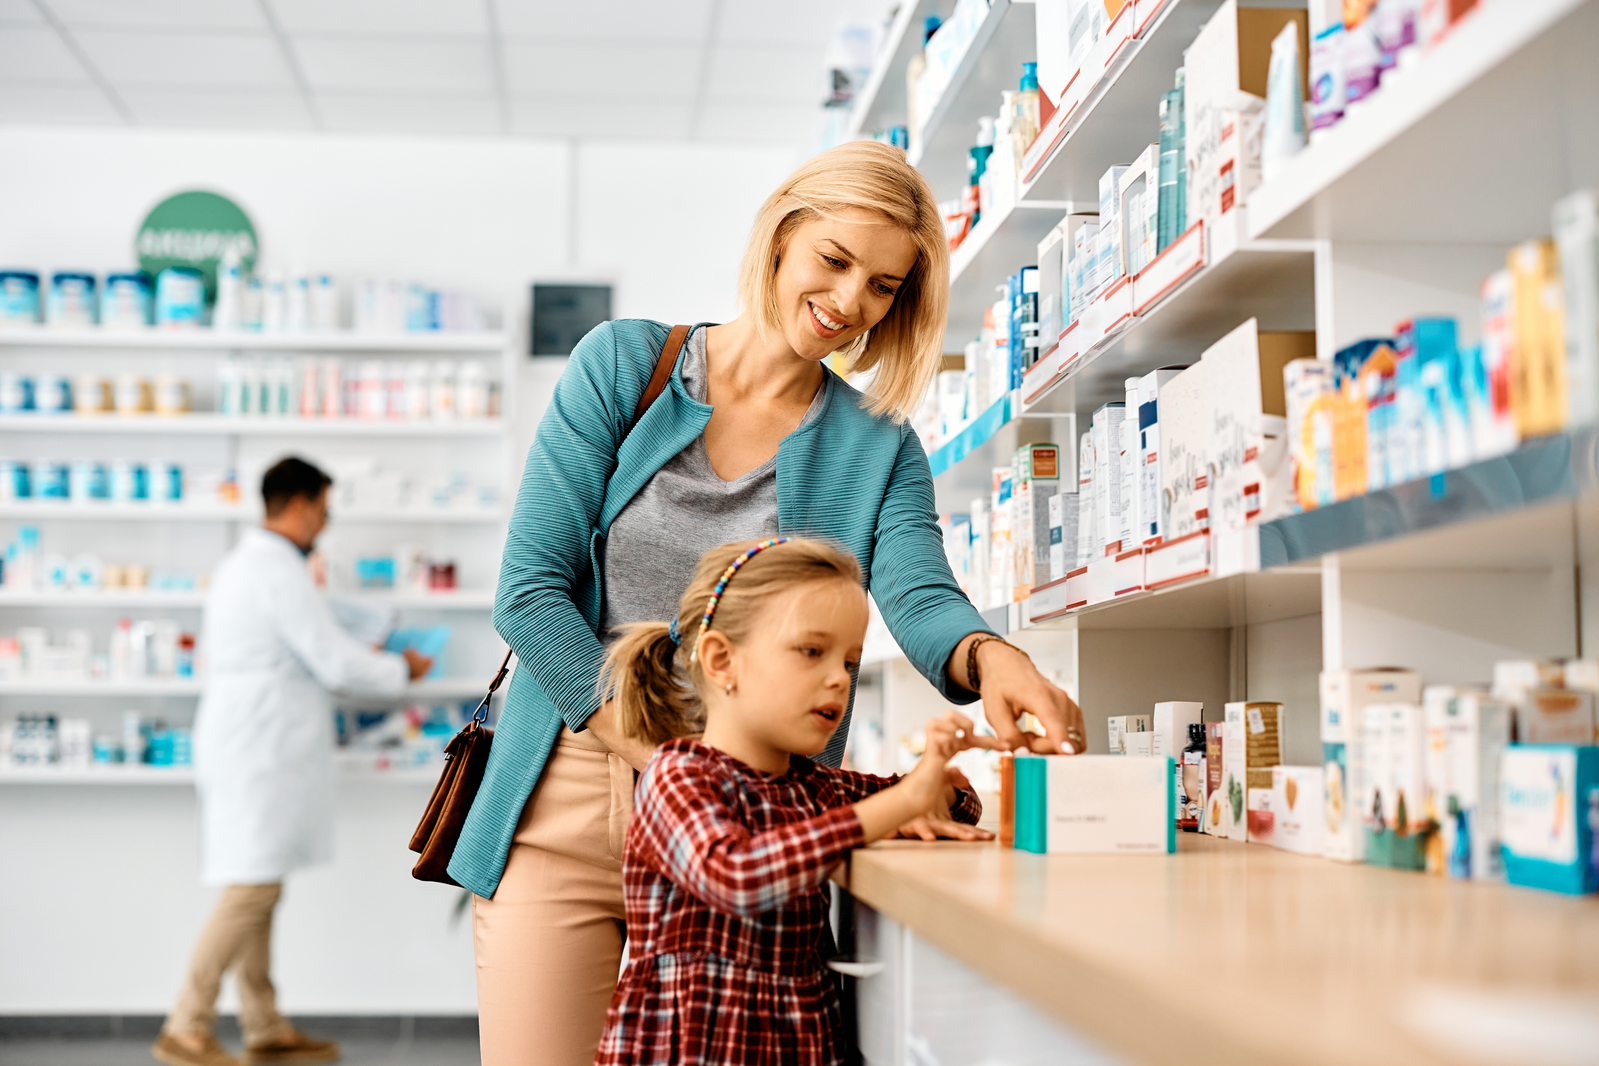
194, 534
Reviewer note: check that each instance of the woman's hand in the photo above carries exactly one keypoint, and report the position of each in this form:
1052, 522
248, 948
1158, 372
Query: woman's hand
939, 822
1011, 687
603, 723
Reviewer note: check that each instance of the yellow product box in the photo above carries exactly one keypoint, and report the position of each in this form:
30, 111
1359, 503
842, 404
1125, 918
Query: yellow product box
1538, 368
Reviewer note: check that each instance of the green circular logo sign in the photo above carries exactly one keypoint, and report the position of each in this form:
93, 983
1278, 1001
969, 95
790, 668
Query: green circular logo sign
195, 229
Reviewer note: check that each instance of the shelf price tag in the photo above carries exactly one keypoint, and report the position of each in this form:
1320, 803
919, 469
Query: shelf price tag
1175, 265
1177, 560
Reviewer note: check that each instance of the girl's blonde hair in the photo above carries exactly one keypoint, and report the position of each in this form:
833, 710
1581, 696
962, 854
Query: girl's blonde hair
906, 346
649, 675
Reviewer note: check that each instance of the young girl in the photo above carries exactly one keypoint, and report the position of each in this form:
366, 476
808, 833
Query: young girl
734, 833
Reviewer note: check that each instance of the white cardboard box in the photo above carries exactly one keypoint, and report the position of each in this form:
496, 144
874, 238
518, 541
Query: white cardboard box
1345, 695
1296, 819
1185, 423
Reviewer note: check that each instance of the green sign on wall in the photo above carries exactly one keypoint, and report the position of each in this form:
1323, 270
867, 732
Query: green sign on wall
195, 229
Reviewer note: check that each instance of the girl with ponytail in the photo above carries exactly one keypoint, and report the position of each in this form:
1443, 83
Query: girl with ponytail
735, 827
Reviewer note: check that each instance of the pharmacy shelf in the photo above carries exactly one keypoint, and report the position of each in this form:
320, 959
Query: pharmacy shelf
125, 599
349, 770
1120, 116
1206, 603
209, 340
993, 61
881, 102
995, 248
1485, 513
150, 686
963, 467
1520, 74
214, 425
1272, 281
101, 511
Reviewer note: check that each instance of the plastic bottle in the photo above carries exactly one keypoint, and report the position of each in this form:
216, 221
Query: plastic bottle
228, 311
913, 74
1024, 119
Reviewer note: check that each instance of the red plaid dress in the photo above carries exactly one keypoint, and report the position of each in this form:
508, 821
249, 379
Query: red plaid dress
724, 876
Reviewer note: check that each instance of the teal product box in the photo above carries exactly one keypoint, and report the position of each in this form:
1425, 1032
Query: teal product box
1545, 828
1095, 805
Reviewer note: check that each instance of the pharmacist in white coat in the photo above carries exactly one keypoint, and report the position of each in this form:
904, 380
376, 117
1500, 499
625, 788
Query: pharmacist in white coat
264, 761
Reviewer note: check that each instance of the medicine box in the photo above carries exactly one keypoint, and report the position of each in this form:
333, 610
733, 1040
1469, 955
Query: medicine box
1139, 744
1185, 452
1555, 716
1216, 797
1292, 818
1063, 523
1139, 192
1094, 804
1171, 722
1151, 510
1252, 745
1345, 695
1397, 827
1475, 733
1548, 804
1119, 726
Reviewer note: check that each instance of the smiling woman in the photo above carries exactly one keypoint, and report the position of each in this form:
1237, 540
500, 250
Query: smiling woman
658, 445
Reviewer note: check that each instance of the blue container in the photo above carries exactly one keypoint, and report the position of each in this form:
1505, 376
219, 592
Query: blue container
16, 392
51, 480
14, 481
179, 298
19, 298
72, 299
127, 300
52, 394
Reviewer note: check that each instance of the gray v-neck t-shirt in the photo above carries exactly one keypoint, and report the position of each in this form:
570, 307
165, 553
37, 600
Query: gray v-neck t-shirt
683, 511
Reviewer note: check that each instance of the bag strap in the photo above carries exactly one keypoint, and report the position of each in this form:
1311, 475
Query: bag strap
663, 373
481, 715
663, 370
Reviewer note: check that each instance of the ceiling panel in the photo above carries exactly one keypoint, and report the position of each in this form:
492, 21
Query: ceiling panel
161, 14
172, 59
599, 119
758, 73
601, 72
448, 66
56, 105
218, 109
28, 54
757, 122
379, 18
21, 12
782, 22
478, 115
606, 20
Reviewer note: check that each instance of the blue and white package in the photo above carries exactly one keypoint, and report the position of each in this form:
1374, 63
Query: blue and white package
127, 300
130, 481
1543, 792
52, 394
72, 299
50, 479
19, 298
179, 298
16, 392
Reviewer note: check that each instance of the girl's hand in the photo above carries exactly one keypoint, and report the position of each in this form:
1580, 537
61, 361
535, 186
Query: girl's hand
917, 793
939, 822
1011, 687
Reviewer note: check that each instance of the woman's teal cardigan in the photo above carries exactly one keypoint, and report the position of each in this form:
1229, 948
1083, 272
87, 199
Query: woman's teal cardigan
847, 475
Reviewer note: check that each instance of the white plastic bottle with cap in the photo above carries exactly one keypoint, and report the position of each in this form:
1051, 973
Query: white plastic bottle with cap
228, 311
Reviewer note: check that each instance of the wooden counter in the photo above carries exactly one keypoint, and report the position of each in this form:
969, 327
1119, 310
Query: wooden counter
1234, 953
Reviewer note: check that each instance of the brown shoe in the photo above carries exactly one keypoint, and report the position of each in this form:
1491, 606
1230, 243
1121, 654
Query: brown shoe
212, 1053
294, 1046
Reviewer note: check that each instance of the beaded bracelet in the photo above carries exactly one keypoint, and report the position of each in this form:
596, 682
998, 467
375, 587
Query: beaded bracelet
973, 677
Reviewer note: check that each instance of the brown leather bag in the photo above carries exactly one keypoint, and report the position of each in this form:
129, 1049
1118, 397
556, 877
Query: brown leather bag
467, 754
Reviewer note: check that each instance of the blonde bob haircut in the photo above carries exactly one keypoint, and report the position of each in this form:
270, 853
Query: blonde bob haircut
903, 350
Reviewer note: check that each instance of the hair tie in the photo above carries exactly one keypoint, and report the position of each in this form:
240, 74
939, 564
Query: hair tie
721, 584
671, 631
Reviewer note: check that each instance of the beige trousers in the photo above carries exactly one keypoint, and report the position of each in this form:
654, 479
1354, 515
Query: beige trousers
549, 944
238, 936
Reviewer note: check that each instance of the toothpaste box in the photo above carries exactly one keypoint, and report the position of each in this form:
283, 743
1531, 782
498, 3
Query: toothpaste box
1345, 694
1547, 799
1120, 725
1475, 731
1094, 804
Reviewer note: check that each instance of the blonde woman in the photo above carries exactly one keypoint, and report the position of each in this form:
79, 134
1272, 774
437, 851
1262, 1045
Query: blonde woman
745, 434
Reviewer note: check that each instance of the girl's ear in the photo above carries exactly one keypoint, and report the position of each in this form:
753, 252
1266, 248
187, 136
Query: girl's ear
716, 659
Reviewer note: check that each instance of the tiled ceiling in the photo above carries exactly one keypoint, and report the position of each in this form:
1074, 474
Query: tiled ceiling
719, 70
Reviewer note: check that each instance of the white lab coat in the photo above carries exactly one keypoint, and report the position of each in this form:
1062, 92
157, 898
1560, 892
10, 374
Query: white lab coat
263, 737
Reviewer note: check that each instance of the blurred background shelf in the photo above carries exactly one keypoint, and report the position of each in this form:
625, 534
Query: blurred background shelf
119, 599
206, 340
989, 255
214, 425
881, 102
196, 512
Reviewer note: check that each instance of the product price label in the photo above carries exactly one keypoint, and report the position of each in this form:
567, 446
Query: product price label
1256, 723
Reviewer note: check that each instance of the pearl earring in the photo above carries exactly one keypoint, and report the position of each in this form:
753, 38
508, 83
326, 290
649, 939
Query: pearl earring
729, 690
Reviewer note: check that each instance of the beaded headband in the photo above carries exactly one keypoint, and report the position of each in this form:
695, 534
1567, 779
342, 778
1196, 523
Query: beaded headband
721, 584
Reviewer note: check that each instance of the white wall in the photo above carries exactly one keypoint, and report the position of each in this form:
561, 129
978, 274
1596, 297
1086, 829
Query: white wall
98, 897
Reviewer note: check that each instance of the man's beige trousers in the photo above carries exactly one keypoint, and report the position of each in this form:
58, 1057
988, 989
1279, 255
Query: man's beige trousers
238, 937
